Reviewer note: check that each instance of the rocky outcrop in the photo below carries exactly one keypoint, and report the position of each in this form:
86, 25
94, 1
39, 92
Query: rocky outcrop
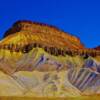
41, 60
26, 35
39, 43
51, 33
37, 84
86, 78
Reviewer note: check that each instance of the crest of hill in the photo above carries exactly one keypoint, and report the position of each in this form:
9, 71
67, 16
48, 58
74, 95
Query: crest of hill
40, 28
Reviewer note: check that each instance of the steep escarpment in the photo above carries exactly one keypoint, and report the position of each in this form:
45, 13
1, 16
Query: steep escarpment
24, 35
51, 33
39, 42
40, 60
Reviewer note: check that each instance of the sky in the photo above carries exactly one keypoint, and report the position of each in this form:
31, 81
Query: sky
78, 17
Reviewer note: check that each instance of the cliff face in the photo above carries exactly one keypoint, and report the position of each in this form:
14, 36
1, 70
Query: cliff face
41, 60
47, 34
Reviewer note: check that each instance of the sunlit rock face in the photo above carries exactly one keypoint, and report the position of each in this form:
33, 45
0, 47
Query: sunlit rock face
87, 77
46, 33
41, 60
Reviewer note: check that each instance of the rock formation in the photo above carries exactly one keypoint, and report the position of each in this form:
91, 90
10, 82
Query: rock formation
42, 60
48, 34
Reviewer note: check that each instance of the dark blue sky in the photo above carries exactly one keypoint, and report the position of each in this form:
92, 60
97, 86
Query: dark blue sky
79, 17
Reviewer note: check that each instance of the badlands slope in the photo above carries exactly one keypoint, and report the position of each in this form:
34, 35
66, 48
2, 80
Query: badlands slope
36, 61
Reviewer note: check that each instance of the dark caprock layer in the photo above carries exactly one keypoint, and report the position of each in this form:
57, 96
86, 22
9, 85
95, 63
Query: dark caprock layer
51, 50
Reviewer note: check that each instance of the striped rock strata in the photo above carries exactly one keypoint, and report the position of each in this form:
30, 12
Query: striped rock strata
30, 46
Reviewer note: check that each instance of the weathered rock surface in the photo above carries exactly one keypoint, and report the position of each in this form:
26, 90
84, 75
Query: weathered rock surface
37, 84
41, 60
45, 33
